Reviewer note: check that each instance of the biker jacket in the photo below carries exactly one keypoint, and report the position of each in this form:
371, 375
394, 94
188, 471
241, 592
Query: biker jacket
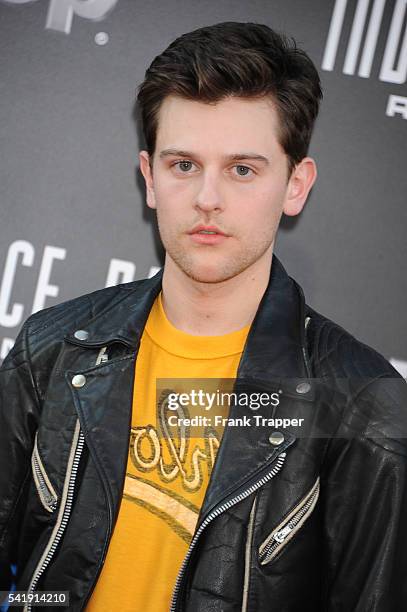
311, 518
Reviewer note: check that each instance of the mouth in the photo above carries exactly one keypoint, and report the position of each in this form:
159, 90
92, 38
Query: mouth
207, 230
207, 235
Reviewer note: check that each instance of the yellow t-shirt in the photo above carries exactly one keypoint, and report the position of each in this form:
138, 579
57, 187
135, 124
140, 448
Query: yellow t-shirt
168, 468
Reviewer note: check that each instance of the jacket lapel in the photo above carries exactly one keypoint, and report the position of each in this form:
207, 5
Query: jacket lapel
272, 361
104, 403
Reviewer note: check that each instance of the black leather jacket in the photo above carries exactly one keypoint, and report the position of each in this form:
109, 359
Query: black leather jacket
313, 519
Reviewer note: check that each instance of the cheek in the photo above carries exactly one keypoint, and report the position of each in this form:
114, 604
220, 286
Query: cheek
173, 194
172, 204
262, 210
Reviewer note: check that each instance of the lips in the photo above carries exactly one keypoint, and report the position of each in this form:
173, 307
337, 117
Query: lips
207, 236
207, 230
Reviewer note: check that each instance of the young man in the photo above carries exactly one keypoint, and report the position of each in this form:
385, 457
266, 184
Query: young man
102, 493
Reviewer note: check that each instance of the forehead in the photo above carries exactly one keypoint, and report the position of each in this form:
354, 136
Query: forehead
233, 123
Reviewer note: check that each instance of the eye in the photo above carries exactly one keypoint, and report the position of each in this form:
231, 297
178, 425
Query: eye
184, 165
243, 170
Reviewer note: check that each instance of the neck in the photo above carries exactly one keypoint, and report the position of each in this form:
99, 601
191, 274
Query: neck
214, 309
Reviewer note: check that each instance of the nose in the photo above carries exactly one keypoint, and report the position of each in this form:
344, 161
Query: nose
208, 198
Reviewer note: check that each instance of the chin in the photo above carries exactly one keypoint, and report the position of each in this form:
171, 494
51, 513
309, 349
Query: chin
208, 269
209, 274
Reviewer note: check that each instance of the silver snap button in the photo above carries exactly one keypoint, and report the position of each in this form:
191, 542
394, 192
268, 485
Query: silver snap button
303, 387
78, 380
81, 334
276, 438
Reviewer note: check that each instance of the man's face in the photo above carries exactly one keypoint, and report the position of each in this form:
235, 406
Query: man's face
217, 168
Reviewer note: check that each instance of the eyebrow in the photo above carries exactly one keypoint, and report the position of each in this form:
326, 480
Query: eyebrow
233, 157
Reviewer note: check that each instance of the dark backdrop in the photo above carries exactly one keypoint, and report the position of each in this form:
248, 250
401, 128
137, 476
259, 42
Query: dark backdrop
72, 214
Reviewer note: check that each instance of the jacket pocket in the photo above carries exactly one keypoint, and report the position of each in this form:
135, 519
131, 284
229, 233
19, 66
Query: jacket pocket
46, 492
286, 530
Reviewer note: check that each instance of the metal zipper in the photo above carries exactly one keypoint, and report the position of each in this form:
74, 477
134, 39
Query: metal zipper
304, 348
286, 530
248, 553
216, 512
46, 492
77, 445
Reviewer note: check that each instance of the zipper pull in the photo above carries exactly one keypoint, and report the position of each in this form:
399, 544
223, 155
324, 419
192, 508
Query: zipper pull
281, 535
102, 356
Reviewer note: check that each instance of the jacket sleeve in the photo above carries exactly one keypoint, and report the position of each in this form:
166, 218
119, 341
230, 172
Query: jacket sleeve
19, 414
364, 485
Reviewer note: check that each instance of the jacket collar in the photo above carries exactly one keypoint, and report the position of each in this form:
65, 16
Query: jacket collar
276, 337
273, 345
124, 319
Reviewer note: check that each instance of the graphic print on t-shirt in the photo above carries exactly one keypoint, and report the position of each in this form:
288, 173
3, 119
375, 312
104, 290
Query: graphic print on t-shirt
170, 467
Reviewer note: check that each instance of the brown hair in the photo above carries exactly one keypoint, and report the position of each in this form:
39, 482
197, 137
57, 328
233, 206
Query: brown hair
246, 60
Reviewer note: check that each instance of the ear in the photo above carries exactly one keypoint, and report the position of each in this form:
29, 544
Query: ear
300, 182
146, 170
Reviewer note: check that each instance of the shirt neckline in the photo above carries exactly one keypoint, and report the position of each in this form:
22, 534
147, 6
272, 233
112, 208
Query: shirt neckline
163, 333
